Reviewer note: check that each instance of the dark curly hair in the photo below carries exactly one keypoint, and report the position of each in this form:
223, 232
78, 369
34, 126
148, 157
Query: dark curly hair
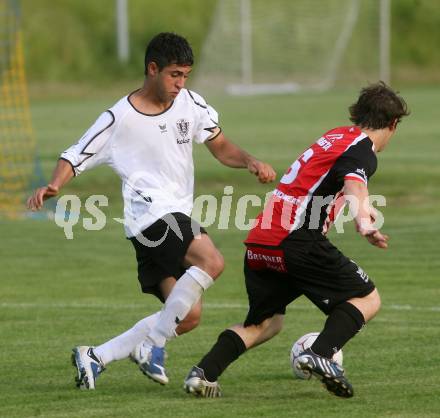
168, 48
378, 107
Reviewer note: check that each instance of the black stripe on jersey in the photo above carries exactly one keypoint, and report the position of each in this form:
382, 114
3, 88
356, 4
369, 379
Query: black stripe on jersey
71, 165
212, 130
196, 102
91, 154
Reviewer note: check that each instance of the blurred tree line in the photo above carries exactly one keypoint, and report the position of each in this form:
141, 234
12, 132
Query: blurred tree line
70, 40
415, 46
76, 39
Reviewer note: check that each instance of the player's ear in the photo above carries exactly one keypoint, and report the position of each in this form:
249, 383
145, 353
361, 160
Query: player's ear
393, 124
152, 69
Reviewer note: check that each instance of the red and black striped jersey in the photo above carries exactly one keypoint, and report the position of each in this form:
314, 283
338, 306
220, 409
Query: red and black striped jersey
309, 195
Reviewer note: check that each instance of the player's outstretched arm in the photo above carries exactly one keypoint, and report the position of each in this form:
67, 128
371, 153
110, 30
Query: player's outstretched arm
356, 193
233, 156
62, 174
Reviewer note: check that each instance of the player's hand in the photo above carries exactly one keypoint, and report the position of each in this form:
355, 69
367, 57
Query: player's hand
263, 171
367, 225
377, 239
35, 202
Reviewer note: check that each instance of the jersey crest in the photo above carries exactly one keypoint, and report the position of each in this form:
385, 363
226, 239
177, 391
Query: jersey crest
183, 129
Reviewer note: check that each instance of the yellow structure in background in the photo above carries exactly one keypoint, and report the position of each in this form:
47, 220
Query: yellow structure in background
17, 139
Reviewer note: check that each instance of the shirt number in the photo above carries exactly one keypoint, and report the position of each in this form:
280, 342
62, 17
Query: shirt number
290, 176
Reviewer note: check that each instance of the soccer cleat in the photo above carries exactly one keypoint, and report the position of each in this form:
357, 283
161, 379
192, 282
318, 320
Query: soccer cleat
197, 384
151, 363
330, 373
141, 353
88, 366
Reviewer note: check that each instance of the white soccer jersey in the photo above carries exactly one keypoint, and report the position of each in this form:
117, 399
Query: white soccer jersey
152, 154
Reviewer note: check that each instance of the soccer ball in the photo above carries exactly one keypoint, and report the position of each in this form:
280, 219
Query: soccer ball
302, 344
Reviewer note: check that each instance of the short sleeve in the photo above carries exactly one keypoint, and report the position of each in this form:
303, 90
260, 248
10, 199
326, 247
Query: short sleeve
207, 126
358, 163
90, 150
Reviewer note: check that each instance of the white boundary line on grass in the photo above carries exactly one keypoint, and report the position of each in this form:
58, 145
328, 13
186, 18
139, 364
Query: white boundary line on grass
75, 305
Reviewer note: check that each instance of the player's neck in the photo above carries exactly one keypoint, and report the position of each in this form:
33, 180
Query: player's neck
147, 100
379, 137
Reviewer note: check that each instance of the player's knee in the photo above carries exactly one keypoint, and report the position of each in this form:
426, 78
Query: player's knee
275, 330
213, 264
271, 326
276, 325
218, 265
372, 305
376, 302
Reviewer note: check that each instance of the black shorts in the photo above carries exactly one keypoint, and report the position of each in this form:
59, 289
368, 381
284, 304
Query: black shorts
161, 248
312, 267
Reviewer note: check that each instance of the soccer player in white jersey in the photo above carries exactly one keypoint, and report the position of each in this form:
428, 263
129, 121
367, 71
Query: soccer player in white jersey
147, 138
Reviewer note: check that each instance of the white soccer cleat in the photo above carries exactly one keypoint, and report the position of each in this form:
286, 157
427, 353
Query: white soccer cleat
196, 384
141, 353
88, 367
154, 368
150, 360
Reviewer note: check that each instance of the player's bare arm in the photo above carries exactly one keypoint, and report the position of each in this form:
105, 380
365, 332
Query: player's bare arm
233, 156
364, 214
62, 174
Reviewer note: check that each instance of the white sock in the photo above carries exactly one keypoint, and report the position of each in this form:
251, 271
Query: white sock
186, 292
120, 347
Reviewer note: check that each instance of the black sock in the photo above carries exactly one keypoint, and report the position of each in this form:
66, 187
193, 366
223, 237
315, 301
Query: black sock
344, 321
228, 348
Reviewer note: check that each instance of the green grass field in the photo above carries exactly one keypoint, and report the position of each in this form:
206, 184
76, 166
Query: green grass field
57, 293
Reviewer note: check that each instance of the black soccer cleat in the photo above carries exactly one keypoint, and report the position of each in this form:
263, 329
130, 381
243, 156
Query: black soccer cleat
330, 373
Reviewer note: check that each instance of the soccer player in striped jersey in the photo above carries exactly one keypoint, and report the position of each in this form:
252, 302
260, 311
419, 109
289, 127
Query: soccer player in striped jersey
147, 139
289, 255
